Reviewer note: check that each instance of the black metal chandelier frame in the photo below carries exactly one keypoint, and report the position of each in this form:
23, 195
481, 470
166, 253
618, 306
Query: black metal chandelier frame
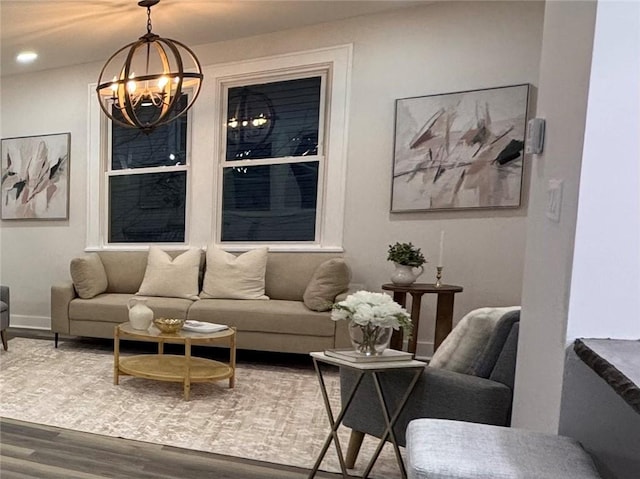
126, 93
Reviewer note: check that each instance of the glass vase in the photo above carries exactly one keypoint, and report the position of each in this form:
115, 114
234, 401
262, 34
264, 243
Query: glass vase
368, 339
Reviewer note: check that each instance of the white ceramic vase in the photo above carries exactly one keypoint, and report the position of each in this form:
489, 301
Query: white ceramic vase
405, 275
140, 315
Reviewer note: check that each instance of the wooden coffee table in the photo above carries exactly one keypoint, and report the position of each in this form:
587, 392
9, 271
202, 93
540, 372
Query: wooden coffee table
185, 369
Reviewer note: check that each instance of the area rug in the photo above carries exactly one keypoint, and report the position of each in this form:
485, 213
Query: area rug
274, 413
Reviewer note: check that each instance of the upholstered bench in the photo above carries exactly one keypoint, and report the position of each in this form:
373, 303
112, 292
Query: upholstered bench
442, 449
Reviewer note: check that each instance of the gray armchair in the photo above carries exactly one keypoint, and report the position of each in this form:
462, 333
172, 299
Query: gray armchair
482, 395
4, 314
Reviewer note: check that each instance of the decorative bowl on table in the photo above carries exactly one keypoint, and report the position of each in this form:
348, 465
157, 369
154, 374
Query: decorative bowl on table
169, 325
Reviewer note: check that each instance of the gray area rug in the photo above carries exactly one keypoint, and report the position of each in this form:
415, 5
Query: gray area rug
274, 414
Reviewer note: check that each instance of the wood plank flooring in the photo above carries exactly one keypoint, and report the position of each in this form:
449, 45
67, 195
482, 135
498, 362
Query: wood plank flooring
35, 451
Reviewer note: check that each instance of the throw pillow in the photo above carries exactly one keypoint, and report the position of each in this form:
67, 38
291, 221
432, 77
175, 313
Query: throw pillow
173, 278
234, 277
88, 275
468, 339
329, 279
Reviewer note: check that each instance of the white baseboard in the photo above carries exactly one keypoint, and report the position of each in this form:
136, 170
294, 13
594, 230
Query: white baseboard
30, 322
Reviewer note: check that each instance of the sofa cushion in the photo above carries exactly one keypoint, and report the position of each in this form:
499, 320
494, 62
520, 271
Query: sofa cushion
288, 274
272, 316
112, 308
173, 278
468, 339
329, 279
88, 275
234, 277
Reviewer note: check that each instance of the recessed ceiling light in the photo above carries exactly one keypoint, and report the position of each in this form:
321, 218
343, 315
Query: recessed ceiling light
26, 57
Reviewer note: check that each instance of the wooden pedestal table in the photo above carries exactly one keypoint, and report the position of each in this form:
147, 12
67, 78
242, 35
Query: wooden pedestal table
444, 310
185, 369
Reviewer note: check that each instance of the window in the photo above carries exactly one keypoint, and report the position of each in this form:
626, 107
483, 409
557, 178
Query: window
147, 183
271, 168
281, 183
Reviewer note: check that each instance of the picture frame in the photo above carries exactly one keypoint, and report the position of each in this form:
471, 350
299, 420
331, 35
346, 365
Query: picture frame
35, 175
461, 150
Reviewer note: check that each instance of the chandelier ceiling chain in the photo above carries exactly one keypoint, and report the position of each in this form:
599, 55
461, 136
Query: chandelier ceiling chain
163, 92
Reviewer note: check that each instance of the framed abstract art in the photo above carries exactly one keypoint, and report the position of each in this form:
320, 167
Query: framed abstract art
460, 150
35, 177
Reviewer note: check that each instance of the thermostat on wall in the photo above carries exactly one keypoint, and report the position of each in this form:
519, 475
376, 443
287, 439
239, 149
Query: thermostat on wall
534, 142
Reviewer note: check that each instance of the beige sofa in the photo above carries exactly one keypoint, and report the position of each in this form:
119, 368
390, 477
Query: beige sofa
283, 323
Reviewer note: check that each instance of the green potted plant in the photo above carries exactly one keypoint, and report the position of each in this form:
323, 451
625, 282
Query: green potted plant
406, 258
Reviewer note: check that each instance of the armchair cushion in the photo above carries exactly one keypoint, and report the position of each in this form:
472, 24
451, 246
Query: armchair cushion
465, 343
486, 361
438, 394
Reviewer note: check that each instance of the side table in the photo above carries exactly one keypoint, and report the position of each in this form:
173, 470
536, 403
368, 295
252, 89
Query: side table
444, 310
373, 368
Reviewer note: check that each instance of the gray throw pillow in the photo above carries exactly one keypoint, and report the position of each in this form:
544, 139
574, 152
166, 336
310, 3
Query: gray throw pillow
329, 279
88, 275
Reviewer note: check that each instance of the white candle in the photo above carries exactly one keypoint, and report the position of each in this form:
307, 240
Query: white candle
440, 260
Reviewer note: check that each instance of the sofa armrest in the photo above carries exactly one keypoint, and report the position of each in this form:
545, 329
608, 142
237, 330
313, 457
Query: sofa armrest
439, 394
61, 296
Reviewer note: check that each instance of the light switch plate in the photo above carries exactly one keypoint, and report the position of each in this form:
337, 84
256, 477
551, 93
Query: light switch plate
554, 200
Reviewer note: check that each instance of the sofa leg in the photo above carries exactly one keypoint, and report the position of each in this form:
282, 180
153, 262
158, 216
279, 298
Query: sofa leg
355, 441
55, 340
5, 345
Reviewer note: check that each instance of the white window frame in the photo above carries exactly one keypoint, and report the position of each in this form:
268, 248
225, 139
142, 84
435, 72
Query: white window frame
99, 171
323, 73
334, 64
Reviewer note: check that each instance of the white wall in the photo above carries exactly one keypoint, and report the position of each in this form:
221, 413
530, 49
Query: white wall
430, 49
562, 98
582, 280
605, 289
605, 286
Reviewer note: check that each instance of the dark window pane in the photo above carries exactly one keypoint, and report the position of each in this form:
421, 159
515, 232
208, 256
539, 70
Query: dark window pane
270, 203
164, 146
273, 120
147, 208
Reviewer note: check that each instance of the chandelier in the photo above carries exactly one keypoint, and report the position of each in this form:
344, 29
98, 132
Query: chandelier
142, 84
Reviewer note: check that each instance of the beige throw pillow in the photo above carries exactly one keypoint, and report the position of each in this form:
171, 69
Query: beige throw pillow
468, 339
234, 277
329, 279
173, 278
88, 275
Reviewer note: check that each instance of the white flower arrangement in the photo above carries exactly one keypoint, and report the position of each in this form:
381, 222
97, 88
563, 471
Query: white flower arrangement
372, 309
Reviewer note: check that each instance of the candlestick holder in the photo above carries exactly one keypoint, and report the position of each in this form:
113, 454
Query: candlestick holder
438, 276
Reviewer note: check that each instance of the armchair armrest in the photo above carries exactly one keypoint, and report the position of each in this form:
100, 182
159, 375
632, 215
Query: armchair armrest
61, 296
4, 294
438, 394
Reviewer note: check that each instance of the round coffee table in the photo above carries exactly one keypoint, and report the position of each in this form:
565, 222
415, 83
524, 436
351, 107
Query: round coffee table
185, 369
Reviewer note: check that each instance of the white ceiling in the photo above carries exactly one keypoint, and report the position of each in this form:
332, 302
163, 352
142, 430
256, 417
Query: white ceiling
70, 32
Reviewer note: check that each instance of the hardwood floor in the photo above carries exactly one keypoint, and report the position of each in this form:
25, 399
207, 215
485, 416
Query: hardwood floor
34, 451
